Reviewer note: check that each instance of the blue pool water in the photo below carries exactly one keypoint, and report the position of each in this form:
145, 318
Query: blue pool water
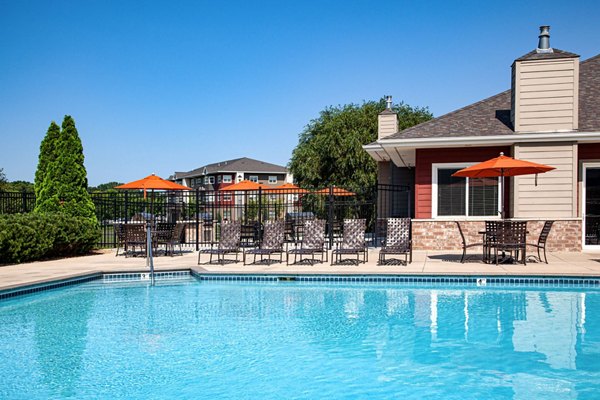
290, 340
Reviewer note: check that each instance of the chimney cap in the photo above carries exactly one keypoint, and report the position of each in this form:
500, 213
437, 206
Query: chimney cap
544, 40
388, 106
388, 102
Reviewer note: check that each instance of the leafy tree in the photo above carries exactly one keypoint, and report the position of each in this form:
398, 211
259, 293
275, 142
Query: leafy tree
105, 187
64, 184
329, 151
20, 186
48, 153
3, 180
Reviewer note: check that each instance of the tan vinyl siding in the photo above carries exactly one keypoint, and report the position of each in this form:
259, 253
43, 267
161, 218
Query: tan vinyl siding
545, 95
387, 125
555, 195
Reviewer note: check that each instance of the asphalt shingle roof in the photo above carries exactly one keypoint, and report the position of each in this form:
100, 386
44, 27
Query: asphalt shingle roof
491, 116
556, 53
238, 164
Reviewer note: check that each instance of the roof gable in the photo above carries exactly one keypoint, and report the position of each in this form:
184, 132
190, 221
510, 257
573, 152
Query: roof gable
556, 53
491, 116
237, 164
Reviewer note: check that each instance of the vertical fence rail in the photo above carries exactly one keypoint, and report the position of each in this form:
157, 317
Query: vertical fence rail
203, 210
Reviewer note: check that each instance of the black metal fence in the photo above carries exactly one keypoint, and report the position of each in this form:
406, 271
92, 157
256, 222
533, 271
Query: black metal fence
16, 202
203, 211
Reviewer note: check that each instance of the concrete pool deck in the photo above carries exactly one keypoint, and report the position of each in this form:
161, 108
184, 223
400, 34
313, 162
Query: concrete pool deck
424, 263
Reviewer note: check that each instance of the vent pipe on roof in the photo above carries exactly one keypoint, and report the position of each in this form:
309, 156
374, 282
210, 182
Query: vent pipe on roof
388, 102
544, 42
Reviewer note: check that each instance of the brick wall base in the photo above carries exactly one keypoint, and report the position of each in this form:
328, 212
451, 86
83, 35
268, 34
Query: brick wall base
443, 235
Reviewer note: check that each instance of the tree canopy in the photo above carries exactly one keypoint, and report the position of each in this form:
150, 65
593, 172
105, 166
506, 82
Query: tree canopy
105, 187
61, 178
3, 180
329, 150
47, 154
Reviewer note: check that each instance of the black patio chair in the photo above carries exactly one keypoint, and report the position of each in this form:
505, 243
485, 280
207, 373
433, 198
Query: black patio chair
511, 237
313, 242
541, 243
353, 242
489, 238
250, 234
176, 239
162, 234
272, 242
120, 237
466, 245
229, 243
135, 236
397, 240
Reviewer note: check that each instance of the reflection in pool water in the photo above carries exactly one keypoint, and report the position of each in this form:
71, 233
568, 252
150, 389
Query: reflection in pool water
300, 340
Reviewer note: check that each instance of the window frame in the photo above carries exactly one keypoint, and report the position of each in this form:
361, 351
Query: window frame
434, 193
253, 178
227, 179
274, 180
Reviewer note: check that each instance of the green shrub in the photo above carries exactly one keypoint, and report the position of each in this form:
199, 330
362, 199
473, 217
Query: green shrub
75, 235
29, 237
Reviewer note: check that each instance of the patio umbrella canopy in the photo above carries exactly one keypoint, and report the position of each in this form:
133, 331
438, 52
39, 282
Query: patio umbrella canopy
289, 186
336, 192
245, 185
500, 167
152, 182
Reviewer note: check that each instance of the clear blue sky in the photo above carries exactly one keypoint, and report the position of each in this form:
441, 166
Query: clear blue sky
164, 86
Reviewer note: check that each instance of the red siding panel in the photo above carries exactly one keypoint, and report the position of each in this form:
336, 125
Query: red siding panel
589, 151
426, 157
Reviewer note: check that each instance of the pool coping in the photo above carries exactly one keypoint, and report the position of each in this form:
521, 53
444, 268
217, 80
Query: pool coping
48, 284
480, 280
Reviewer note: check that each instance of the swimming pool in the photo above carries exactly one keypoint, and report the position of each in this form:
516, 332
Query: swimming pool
280, 340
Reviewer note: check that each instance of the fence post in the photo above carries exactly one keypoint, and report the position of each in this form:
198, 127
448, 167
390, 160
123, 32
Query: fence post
259, 215
330, 215
126, 208
24, 201
197, 212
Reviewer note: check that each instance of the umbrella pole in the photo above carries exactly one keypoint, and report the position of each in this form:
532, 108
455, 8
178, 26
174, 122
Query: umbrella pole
502, 195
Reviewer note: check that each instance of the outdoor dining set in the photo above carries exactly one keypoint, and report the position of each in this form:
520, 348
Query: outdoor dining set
133, 237
506, 241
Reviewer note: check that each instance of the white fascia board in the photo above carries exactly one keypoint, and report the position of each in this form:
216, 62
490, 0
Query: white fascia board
488, 140
377, 152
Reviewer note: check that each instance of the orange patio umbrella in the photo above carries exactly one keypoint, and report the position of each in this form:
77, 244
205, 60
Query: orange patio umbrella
289, 186
337, 191
500, 167
152, 182
245, 185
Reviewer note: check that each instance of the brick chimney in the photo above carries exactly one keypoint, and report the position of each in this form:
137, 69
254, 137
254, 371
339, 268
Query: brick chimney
387, 122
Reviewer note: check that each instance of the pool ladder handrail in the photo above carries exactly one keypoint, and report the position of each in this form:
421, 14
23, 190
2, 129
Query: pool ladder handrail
149, 257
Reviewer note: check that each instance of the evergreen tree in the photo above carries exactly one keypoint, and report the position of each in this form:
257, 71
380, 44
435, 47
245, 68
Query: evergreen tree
64, 184
329, 151
47, 155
